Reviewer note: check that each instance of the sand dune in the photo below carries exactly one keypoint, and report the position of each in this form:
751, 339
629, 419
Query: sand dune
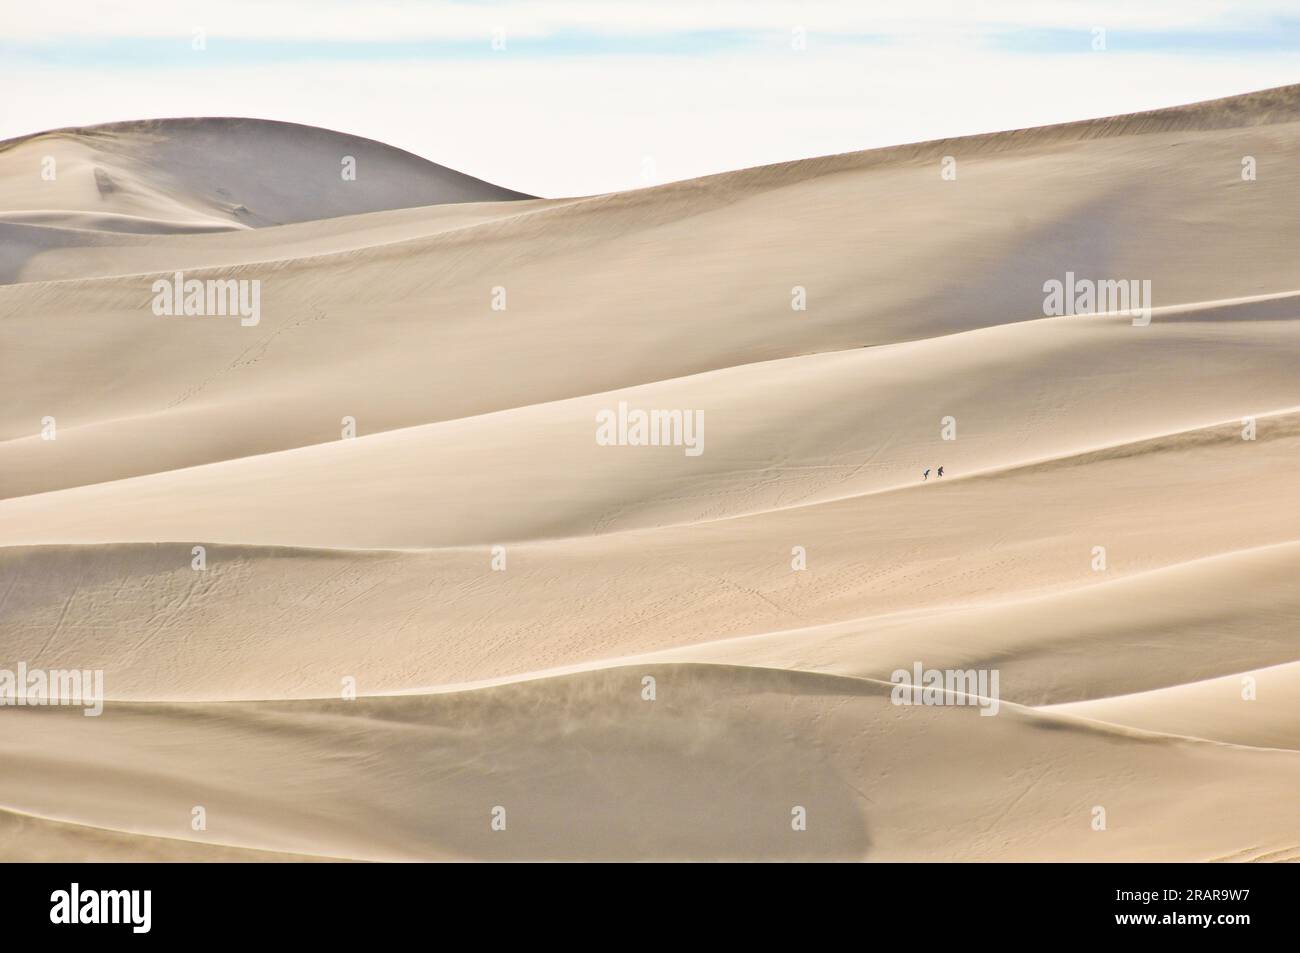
712, 768
473, 337
81, 194
1211, 709
176, 172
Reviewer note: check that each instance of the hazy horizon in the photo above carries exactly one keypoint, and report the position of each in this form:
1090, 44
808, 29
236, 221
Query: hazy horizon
584, 97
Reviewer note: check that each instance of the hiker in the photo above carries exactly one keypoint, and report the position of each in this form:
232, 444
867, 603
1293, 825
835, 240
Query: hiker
941, 471
925, 475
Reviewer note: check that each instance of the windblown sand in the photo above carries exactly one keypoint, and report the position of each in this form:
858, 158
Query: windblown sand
499, 587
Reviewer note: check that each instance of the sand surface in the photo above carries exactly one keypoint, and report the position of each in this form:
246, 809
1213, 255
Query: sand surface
1162, 688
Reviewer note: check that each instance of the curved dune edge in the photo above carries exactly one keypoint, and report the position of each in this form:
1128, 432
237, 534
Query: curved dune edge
1280, 104
586, 769
384, 304
1115, 535
158, 506
1227, 708
178, 436
195, 169
29, 838
116, 256
1141, 632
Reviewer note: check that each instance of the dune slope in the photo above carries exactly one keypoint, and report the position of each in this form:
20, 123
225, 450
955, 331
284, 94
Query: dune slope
92, 194
364, 581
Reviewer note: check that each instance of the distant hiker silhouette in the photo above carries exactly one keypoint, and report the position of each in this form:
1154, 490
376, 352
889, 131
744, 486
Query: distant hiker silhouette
941, 471
926, 474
